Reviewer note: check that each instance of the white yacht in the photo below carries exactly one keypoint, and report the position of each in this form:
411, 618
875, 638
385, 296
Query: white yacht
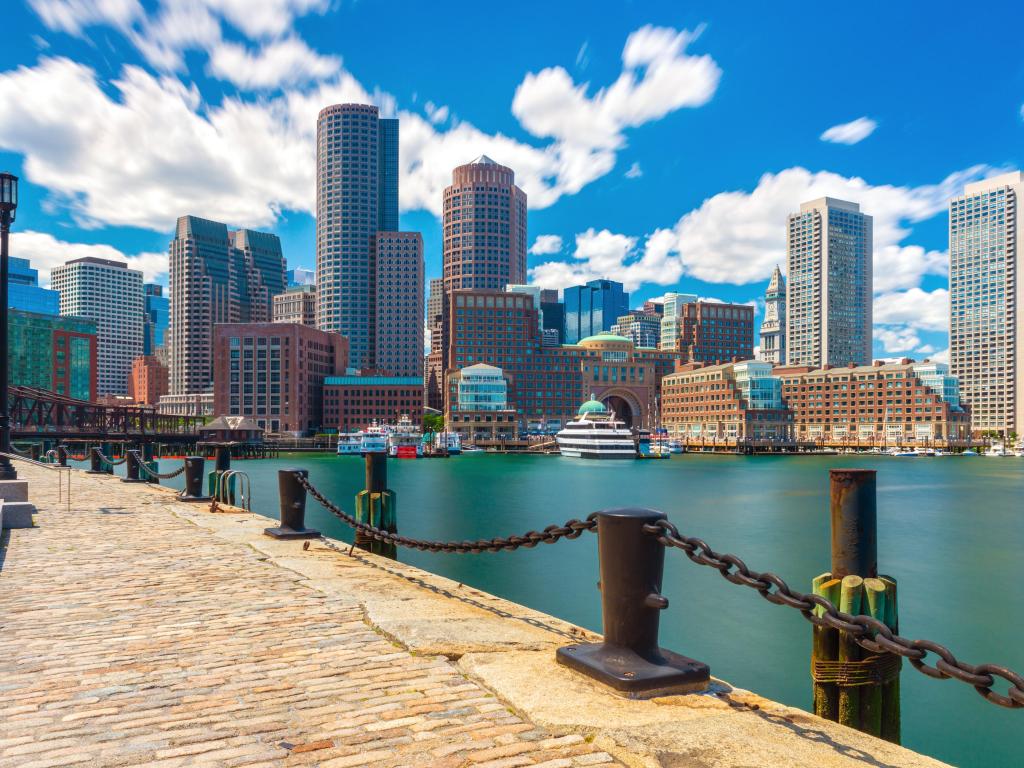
350, 443
375, 439
448, 441
404, 440
595, 433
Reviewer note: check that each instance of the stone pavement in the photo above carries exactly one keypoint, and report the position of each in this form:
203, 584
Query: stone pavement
139, 630
129, 636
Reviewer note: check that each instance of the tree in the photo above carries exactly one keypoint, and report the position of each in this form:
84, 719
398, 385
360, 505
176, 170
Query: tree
433, 422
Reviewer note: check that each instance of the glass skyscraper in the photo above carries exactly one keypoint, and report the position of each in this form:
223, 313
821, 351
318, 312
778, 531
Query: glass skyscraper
828, 296
986, 293
53, 353
156, 315
23, 291
592, 308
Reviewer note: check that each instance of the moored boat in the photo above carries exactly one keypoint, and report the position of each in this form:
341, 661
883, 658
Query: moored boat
350, 443
595, 433
404, 440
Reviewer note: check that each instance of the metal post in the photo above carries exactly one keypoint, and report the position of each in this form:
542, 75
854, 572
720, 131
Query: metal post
223, 458
62, 455
630, 660
95, 462
131, 473
293, 507
8, 204
147, 459
193, 480
34, 451
854, 523
107, 449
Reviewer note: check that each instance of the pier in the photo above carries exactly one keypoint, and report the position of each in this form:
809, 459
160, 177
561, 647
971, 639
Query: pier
141, 630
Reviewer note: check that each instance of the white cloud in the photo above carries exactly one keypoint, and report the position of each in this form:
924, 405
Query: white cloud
942, 356
46, 252
435, 114
634, 172
544, 245
897, 339
851, 132
925, 310
72, 16
288, 61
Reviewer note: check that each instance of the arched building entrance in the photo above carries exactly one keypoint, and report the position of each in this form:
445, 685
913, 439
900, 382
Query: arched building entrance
626, 408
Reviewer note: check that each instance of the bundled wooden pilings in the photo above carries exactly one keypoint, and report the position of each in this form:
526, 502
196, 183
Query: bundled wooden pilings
852, 686
377, 506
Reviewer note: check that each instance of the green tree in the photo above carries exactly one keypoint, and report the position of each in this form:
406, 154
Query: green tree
433, 422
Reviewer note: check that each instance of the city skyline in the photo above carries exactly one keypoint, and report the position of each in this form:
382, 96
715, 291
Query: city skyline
646, 208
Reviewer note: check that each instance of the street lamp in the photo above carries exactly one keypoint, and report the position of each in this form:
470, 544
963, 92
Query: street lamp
8, 205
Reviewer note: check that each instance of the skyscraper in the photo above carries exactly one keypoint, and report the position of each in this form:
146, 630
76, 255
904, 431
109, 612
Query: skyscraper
592, 308
398, 349
672, 311
773, 327
484, 228
216, 276
828, 298
356, 197
155, 318
986, 295
300, 276
23, 291
110, 294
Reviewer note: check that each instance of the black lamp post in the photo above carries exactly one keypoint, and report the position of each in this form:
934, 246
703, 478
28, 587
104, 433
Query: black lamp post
8, 205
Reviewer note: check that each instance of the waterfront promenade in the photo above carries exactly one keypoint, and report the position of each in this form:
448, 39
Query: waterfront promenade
138, 630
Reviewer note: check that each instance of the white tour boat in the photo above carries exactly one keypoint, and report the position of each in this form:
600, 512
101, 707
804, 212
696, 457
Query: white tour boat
405, 440
448, 441
375, 439
595, 433
350, 443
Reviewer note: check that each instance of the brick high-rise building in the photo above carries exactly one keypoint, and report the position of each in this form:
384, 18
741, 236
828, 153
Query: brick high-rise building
398, 349
110, 294
356, 197
296, 305
273, 373
216, 276
148, 380
709, 331
828, 297
986, 293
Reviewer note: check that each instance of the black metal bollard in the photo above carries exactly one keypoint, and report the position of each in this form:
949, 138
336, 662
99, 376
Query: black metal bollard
34, 451
293, 507
131, 471
107, 449
630, 660
193, 480
95, 462
62, 455
854, 523
223, 458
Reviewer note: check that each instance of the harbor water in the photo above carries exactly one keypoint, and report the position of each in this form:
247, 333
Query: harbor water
950, 531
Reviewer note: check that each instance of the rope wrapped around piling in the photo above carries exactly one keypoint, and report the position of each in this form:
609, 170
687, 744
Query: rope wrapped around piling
871, 670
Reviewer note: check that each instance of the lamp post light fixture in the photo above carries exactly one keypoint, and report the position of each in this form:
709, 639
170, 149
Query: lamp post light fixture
8, 206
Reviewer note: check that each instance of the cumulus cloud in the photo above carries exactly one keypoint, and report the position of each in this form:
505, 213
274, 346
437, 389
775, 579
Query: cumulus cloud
896, 340
851, 132
72, 16
634, 172
544, 245
926, 310
46, 252
288, 61
435, 114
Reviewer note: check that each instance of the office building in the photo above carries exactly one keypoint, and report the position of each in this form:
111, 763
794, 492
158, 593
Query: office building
733, 404
23, 291
156, 316
773, 327
296, 305
672, 310
592, 308
644, 328
435, 304
148, 381
216, 276
352, 403
709, 331
986, 296
480, 408
52, 352
356, 197
552, 316
300, 276
398, 348
273, 373
828, 296
110, 294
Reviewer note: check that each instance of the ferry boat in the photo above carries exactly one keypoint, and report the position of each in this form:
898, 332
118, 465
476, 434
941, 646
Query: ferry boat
350, 443
375, 439
675, 446
448, 441
595, 433
404, 441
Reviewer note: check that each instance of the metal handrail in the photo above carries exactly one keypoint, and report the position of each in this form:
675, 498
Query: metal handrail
222, 489
56, 467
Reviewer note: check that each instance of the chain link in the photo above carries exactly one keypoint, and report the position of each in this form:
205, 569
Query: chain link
111, 462
571, 530
868, 632
164, 476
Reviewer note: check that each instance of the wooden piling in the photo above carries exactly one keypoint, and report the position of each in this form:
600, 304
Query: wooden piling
825, 646
871, 696
377, 506
850, 598
891, 689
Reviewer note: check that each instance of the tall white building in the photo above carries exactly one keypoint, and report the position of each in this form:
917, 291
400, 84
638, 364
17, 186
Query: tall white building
828, 297
672, 318
111, 294
986, 294
773, 328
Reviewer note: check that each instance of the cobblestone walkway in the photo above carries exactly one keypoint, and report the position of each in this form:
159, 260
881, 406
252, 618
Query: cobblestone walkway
130, 636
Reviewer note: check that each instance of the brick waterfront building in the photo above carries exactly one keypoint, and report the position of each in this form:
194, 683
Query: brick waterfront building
355, 402
148, 380
710, 332
273, 373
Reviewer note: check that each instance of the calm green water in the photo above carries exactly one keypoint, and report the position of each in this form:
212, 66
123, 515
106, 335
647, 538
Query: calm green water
950, 529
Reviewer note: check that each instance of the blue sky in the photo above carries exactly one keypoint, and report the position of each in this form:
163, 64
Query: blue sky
660, 144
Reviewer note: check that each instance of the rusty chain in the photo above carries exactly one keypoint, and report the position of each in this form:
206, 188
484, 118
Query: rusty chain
164, 476
571, 530
867, 631
111, 462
